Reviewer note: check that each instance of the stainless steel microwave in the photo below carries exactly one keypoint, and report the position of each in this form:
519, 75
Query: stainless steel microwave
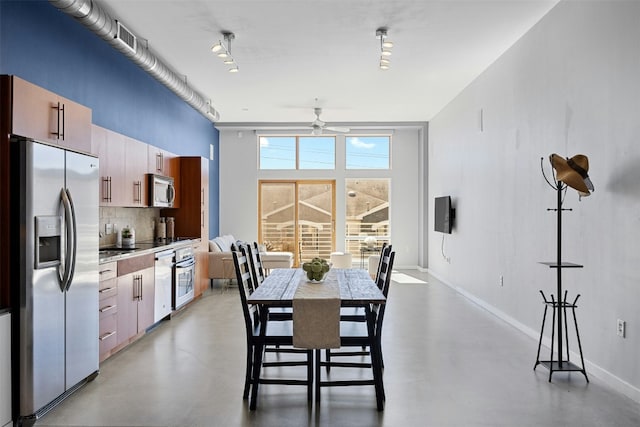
162, 192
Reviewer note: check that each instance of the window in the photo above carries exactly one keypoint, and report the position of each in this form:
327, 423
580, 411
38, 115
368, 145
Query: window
317, 152
277, 152
367, 214
367, 152
297, 152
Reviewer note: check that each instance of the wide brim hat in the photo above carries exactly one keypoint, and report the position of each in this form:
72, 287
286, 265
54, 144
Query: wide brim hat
573, 172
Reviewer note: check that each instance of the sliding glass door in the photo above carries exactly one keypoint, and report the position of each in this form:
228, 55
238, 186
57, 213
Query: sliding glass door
298, 217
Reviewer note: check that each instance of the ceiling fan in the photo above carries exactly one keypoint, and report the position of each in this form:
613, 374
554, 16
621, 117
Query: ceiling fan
318, 126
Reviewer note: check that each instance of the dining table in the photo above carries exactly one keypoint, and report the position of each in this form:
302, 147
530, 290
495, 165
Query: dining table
289, 287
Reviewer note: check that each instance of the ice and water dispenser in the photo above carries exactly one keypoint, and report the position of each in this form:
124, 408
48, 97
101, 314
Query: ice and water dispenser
48, 231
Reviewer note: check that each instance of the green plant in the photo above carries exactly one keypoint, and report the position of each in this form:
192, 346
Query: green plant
316, 269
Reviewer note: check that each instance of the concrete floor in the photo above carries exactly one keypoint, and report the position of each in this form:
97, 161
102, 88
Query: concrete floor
448, 362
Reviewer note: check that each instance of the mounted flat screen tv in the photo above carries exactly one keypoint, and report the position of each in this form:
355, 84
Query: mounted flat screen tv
444, 215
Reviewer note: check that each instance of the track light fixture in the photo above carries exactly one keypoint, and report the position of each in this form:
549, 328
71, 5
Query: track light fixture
223, 51
385, 48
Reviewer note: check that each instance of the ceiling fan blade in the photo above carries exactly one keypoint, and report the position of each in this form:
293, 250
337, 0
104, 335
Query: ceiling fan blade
318, 122
338, 128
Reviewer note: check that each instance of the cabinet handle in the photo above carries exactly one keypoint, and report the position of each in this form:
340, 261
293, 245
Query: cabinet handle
106, 189
159, 162
140, 284
62, 134
108, 270
162, 162
105, 289
202, 196
107, 335
137, 189
107, 308
58, 133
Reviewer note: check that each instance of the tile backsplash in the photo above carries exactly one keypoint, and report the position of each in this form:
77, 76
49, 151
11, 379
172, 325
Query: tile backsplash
141, 219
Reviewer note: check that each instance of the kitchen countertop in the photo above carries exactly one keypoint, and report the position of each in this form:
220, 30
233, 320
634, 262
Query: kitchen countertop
111, 253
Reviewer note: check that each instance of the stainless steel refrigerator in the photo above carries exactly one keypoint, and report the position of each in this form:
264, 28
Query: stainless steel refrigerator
56, 212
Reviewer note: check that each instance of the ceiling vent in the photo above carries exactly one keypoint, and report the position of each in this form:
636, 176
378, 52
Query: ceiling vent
126, 37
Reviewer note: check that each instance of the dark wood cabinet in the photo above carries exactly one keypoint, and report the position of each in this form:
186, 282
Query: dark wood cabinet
192, 218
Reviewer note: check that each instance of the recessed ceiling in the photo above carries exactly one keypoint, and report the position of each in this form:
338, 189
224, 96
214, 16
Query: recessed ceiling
292, 52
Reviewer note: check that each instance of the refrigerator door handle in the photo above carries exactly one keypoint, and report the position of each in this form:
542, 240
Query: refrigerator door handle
66, 275
74, 233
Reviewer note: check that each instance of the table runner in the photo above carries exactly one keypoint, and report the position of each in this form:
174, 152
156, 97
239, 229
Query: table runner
316, 313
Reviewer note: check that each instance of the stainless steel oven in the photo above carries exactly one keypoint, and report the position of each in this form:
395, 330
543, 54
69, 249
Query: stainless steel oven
183, 277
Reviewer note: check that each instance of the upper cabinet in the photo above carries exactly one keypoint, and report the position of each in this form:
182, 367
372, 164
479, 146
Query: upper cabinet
135, 161
42, 115
124, 165
162, 162
110, 149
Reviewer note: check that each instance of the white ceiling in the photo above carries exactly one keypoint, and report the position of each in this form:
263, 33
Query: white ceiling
291, 52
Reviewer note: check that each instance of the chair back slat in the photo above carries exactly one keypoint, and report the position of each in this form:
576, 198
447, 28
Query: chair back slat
384, 269
380, 308
253, 253
245, 285
384, 251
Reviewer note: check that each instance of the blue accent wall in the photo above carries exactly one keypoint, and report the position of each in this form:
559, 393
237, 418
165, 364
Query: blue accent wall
49, 48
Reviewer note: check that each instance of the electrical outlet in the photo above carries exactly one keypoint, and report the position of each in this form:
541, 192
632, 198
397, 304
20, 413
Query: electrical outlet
621, 328
108, 228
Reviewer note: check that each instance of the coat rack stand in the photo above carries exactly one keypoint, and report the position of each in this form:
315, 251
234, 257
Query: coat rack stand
559, 307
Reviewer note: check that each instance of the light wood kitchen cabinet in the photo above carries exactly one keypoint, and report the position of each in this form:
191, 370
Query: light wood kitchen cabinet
108, 309
135, 161
162, 162
109, 146
45, 116
135, 298
192, 218
123, 168
5, 369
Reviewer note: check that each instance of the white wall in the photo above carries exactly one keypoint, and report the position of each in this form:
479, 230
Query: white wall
571, 85
239, 177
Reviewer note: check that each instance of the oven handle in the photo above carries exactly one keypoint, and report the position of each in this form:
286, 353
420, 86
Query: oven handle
186, 263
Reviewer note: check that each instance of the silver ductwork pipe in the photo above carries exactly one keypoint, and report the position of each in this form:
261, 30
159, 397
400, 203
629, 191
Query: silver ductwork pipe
92, 16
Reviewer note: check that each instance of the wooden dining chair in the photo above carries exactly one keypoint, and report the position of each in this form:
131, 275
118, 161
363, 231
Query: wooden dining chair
257, 273
356, 314
255, 262
363, 335
279, 334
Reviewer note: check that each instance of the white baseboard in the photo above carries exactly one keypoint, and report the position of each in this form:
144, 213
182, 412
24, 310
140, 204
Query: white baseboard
605, 376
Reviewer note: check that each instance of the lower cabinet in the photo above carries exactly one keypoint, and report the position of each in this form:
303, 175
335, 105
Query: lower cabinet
108, 309
201, 253
135, 299
5, 369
